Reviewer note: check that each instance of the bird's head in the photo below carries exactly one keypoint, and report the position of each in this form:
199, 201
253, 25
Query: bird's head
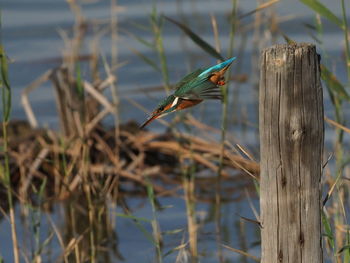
164, 107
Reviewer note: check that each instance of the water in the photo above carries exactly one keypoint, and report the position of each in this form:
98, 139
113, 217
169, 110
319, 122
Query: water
32, 41
31, 38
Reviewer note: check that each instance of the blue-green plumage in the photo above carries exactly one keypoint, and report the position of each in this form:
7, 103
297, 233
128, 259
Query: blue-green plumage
195, 87
217, 67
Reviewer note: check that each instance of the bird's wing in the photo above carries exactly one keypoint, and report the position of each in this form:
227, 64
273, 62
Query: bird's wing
200, 89
197, 84
188, 78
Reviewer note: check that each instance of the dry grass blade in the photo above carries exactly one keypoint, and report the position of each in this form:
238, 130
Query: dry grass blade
200, 147
241, 253
216, 33
245, 152
25, 101
259, 8
59, 236
98, 96
183, 255
34, 167
4, 214
104, 145
78, 123
255, 212
251, 220
250, 168
336, 124
200, 159
105, 169
179, 247
330, 156
331, 190
96, 120
73, 243
109, 80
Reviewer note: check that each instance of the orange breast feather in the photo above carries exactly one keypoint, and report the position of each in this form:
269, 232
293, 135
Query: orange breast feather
187, 103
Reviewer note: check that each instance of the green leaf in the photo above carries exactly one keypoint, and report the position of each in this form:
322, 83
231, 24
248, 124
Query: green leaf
310, 26
333, 83
43, 245
140, 26
4, 68
80, 81
173, 232
288, 39
141, 40
346, 247
133, 217
2, 172
42, 188
145, 59
319, 8
5, 84
182, 246
163, 207
138, 224
315, 38
328, 230
196, 39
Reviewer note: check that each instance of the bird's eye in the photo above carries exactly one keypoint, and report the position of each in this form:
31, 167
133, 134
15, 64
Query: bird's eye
161, 108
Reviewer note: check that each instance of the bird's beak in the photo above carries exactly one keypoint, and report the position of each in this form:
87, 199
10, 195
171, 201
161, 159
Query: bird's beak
156, 115
149, 120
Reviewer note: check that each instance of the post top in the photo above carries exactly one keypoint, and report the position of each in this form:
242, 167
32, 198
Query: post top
290, 47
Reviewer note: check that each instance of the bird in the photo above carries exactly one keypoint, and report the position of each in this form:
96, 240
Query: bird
199, 85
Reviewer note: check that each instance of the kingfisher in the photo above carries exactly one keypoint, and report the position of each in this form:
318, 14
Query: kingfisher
195, 87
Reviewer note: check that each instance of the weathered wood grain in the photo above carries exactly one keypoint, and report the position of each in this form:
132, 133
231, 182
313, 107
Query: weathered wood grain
291, 138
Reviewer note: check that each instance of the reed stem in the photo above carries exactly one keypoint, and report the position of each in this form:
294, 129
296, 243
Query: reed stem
157, 24
6, 110
346, 38
223, 138
189, 187
157, 236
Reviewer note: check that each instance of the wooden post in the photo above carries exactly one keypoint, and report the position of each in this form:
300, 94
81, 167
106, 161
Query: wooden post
291, 149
